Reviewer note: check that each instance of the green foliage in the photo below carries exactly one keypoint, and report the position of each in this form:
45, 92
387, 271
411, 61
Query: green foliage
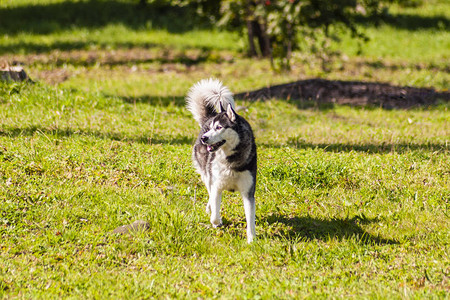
280, 26
9, 88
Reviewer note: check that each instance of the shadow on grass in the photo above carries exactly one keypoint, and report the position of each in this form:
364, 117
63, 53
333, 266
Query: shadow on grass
67, 132
316, 229
63, 15
366, 148
102, 55
39, 47
414, 22
380, 64
155, 100
165, 57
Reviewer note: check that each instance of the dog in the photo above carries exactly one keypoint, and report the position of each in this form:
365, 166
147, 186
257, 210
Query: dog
224, 153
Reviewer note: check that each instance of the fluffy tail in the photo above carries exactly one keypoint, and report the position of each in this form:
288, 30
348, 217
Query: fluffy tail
205, 97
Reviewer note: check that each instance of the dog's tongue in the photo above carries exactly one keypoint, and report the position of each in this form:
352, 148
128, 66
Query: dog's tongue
210, 148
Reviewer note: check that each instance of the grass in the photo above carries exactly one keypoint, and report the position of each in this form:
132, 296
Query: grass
351, 202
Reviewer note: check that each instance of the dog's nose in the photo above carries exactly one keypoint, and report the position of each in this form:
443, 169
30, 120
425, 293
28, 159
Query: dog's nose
204, 139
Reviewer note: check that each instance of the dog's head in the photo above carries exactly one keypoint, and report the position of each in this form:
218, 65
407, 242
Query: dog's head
220, 130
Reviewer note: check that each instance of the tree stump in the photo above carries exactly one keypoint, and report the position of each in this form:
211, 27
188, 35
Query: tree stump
12, 73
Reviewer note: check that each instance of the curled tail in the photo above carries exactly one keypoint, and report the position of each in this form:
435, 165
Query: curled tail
206, 97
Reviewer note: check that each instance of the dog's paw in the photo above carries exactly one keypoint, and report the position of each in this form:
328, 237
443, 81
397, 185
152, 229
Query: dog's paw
216, 222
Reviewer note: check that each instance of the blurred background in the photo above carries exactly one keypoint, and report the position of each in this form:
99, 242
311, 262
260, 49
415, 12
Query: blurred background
249, 44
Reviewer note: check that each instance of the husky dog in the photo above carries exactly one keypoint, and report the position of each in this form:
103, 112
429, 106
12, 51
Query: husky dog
225, 151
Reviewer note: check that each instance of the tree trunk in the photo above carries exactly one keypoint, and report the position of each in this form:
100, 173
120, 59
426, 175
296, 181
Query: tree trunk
142, 3
263, 39
256, 28
251, 39
250, 28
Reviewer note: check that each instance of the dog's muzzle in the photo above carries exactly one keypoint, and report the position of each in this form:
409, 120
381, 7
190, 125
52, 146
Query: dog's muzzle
211, 147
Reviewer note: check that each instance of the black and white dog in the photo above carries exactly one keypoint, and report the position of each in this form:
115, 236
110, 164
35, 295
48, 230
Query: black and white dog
225, 151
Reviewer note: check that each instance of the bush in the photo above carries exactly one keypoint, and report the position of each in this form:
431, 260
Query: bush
278, 25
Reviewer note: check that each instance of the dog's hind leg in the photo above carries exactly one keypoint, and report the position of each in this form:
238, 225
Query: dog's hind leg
249, 207
215, 200
247, 190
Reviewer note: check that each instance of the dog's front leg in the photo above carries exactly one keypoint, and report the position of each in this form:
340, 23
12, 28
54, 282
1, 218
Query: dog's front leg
208, 206
215, 199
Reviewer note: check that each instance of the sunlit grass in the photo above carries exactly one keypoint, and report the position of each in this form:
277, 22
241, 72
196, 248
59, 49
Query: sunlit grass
352, 202
118, 36
349, 201
390, 43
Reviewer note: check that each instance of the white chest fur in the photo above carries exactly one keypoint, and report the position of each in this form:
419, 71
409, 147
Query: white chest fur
223, 178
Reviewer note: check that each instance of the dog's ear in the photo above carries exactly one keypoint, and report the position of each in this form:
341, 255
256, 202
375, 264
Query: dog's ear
231, 113
221, 109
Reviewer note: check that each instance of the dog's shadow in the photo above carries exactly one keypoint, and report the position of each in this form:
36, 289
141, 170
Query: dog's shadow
301, 228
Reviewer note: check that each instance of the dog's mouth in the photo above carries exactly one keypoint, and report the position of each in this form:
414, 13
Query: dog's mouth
215, 147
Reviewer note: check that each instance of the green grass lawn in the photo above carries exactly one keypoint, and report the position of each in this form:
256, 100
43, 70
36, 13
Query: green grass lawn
351, 201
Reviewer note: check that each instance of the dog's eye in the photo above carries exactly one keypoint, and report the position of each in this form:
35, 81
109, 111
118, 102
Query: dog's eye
218, 127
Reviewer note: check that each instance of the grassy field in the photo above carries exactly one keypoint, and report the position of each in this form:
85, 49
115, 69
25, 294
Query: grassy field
352, 202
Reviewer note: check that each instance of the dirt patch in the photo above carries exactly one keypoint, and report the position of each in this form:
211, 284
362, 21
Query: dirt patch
54, 76
101, 57
350, 92
58, 66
